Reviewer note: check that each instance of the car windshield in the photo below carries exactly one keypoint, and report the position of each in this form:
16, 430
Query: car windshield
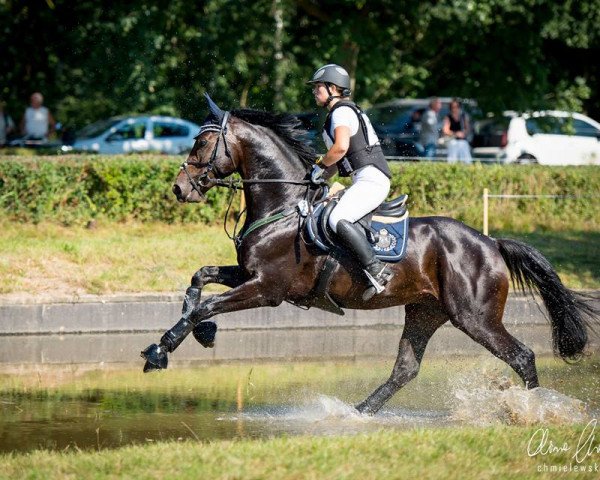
97, 128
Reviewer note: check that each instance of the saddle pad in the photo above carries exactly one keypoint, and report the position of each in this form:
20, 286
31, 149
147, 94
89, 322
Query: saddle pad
393, 235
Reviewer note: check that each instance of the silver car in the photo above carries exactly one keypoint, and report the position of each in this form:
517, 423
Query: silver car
137, 134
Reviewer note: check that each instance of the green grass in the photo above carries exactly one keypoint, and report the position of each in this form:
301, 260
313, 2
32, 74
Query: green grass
464, 453
49, 258
155, 257
574, 254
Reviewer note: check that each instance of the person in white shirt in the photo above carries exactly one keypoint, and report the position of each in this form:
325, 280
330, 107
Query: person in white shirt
429, 128
37, 123
354, 148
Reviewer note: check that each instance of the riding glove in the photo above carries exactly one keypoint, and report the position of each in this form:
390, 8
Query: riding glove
316, 174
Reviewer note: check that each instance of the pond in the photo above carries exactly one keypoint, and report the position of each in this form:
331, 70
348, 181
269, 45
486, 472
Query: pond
80, 407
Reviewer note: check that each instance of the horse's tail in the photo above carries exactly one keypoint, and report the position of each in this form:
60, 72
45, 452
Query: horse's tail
570, 312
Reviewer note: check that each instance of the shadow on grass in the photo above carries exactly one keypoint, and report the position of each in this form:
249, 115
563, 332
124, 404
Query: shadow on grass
574, 254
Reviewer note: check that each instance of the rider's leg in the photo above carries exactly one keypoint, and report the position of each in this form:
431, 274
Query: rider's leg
356, 241
369, 189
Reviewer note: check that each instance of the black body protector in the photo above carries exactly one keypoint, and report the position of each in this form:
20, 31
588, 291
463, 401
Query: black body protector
360, 153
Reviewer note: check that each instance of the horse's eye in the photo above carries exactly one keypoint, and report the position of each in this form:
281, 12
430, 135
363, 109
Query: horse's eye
202, 143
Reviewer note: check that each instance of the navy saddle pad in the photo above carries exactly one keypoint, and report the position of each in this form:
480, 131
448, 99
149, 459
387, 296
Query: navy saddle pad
392, 234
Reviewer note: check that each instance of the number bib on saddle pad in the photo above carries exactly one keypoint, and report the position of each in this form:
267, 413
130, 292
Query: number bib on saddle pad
390, 232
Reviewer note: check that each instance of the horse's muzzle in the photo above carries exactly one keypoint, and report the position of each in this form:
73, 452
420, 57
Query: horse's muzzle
178, 193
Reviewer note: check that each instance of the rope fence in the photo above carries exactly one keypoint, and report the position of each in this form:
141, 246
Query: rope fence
487, 195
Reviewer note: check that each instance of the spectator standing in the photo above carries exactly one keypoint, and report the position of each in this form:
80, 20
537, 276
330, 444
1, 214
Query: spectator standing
7, 126
38, 123
429, 128
456, 128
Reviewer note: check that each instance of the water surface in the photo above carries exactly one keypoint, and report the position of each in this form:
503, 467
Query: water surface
91, 409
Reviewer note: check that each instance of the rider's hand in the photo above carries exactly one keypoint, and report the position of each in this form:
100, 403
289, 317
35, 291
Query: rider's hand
316, 174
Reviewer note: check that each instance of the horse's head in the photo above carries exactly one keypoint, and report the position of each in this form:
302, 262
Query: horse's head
209, 159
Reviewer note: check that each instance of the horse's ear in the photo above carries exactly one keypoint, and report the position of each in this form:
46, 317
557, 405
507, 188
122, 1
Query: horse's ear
216, 112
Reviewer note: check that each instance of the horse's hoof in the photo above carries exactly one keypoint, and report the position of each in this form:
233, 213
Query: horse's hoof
205, 333
156, 358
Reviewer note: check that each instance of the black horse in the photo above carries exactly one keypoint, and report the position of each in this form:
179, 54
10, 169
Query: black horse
451, 272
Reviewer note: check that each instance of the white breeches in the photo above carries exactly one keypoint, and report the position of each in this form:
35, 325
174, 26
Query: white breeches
369, 189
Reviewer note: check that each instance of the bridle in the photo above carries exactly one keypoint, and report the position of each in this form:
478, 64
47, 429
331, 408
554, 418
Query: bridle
204, 180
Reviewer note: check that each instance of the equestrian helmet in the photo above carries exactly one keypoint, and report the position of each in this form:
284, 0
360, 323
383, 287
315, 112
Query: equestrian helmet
332, 73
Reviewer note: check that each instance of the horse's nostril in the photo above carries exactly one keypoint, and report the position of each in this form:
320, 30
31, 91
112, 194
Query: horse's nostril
176, 190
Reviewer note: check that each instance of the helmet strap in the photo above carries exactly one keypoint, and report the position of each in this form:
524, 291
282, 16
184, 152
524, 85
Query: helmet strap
331, 96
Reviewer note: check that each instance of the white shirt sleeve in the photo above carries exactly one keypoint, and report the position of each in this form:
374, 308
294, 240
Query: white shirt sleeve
344, 117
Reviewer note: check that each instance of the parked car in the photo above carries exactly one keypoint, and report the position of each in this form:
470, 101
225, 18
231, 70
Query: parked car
398, 124
548, 137
137, 134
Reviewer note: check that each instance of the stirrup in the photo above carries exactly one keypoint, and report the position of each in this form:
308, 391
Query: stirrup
377, 284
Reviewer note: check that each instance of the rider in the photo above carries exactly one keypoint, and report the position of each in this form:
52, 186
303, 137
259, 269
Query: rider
354, 147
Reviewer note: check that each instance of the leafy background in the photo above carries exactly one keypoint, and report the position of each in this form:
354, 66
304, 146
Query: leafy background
94, 59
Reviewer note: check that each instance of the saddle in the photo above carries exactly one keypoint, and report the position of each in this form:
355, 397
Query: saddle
386, 227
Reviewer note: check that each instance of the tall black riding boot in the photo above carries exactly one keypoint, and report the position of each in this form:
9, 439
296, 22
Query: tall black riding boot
355, 240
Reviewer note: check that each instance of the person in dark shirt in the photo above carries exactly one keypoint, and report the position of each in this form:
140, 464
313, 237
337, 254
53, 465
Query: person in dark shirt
456, 128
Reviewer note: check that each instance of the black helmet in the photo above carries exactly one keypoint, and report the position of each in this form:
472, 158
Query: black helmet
335, 74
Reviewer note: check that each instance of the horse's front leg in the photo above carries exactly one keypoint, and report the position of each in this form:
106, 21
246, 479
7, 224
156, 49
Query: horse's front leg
250, 294
156, 355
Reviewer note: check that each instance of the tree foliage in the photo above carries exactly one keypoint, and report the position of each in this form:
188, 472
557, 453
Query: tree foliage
97, 58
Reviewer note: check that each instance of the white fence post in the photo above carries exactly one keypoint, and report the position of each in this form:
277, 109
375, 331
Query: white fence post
485, 211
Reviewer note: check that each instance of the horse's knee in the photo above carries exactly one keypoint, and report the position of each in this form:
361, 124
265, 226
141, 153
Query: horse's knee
203, 276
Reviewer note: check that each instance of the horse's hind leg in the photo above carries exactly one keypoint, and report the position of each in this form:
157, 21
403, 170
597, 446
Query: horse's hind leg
486, 328
420, 324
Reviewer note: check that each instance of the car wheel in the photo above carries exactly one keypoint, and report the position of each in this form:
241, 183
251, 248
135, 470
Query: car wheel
526, 159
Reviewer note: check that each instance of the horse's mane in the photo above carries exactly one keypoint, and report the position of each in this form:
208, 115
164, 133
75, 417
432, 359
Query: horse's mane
285, 126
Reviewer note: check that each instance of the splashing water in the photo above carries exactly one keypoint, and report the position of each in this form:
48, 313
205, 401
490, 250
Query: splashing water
497, 400
324, 415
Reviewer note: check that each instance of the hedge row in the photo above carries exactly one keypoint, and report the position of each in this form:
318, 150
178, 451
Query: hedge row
76, 189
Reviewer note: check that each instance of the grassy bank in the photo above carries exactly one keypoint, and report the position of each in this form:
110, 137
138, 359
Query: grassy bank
499, 452
49, 259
